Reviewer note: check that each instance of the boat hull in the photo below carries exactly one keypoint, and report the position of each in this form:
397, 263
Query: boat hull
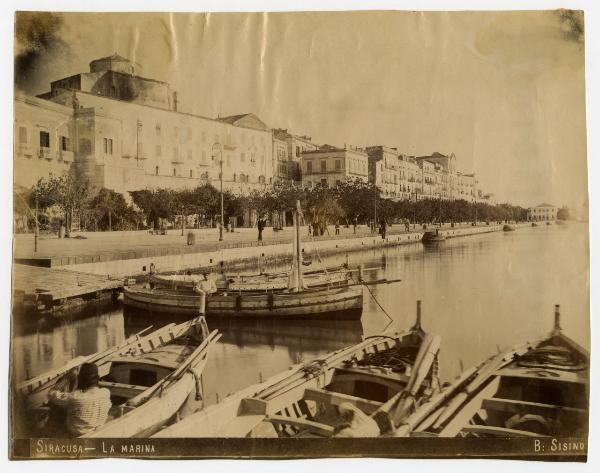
341, 302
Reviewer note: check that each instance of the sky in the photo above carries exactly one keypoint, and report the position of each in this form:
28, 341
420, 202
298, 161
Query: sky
503, 91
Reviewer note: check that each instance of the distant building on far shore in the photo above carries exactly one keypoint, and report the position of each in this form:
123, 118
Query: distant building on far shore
542, 212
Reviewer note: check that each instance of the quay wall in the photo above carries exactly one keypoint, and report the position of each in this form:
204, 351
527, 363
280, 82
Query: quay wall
251, 255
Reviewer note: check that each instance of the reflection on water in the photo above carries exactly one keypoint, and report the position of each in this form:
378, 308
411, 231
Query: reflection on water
479, 293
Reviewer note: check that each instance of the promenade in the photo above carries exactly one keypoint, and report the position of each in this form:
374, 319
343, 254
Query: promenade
107, 246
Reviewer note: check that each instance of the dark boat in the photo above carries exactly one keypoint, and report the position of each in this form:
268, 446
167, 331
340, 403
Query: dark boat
431, 236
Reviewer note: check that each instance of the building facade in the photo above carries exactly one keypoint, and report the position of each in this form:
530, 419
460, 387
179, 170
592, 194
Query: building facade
332, 166
542, 212
384, 170
128, 145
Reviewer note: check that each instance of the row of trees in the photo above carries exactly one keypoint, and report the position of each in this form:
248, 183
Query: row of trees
350, 203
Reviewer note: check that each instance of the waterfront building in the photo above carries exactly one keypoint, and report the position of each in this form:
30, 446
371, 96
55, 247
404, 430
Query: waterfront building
331, 166
43, 140
439, 180
542, 212
288, 167
137, 141
383, 170
466, 188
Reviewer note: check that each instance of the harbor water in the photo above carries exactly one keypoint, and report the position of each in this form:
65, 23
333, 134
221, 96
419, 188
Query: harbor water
481, 293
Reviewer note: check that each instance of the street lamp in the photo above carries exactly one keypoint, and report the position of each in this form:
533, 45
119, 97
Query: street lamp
216, 146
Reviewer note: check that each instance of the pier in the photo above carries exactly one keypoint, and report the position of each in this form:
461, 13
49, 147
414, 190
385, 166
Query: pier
51, 289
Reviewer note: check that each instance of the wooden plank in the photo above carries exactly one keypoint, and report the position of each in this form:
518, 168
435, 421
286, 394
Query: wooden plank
498, 431
526, 407
335, 399
316, 427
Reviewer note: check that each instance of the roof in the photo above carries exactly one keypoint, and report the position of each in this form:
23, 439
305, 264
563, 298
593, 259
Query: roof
114, 57
245, 120
543, 204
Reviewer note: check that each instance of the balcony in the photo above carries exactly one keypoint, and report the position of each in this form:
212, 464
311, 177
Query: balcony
66, 156
44, 153
25, 149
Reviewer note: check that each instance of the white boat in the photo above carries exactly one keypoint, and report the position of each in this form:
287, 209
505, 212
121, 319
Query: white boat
381, 380
536, 389
149, 377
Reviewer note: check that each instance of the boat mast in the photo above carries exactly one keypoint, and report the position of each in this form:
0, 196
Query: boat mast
298, 255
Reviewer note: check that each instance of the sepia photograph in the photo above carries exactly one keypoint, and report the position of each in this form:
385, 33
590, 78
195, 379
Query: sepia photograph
299, 234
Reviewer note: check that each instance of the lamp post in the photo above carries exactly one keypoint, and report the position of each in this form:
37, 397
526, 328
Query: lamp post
216, 146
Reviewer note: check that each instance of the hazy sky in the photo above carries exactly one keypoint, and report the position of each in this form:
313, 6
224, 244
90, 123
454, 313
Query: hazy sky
504, 91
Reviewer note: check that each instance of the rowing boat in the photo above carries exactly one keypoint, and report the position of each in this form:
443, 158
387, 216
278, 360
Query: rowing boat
364, 390
149, 377
535, 389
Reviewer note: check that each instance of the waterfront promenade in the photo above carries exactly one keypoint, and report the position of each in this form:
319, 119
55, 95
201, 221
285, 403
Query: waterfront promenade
84, 247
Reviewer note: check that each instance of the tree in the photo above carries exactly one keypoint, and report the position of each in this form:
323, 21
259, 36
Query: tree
563, 214
108, 204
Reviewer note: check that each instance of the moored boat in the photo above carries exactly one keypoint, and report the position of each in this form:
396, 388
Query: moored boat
364, 390
508, 228
536, 389
150, 378
431, 236
343, 302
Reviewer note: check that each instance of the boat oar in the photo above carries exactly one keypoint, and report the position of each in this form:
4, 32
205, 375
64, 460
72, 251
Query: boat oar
424, 411
425, 358
485, 371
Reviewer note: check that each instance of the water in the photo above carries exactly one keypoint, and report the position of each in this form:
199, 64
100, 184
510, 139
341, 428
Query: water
480, 293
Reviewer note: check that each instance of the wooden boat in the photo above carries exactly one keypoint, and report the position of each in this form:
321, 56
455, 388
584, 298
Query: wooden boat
363, 390
344, 302
508, 228
535, 389
432, 236
562, 222
533, 224
295, 301
149, 377
255, 282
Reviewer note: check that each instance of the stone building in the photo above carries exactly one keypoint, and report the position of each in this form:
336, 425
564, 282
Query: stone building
130, 142
287, 163
331, 165
542, 212
43, 139
384, 170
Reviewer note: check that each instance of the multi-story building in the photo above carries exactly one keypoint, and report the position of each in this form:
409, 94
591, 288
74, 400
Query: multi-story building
296, 145
466, 187
331, 166
43, 143
443, 179
384, 170
137, 141
542, 212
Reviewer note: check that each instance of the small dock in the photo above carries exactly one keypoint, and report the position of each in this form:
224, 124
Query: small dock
48, 289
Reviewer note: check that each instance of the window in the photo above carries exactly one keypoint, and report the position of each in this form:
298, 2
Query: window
158, 151
191, 173
297, 151
324, 182
156, 171
174, 172
338, 165
158, 129
110, 146
261, 179
44, 139
22, 135
323, 166
338, 182
65, 143
234, 177
309, 166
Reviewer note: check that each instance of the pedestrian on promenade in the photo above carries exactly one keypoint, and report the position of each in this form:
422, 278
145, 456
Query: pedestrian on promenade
337, 228
310, 230
260, 224
382, 229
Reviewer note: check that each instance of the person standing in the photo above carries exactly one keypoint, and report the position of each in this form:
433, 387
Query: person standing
337, 228
260, 224
87, 407
382, 229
